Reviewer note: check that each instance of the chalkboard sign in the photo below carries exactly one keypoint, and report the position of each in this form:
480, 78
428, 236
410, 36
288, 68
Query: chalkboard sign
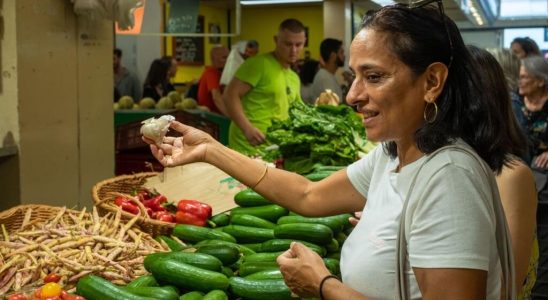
189, 50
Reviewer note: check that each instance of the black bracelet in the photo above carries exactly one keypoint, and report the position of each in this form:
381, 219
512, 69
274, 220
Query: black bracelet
323, 281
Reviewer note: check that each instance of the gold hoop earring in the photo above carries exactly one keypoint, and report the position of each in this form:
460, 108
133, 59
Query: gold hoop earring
430, 119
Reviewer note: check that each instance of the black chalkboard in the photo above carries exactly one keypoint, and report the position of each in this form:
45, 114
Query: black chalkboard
189, 50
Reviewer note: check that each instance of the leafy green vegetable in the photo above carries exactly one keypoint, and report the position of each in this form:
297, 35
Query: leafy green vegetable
325, 135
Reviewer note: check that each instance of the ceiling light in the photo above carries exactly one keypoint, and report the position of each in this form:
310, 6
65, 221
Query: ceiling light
262, 2
384, 2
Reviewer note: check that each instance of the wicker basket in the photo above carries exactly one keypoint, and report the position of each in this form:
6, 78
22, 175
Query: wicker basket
103, 198
13, 217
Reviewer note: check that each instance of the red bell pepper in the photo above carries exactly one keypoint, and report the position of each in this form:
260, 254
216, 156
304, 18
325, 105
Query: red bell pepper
165, 216
193, 212
182, 217
156, 203
127, 205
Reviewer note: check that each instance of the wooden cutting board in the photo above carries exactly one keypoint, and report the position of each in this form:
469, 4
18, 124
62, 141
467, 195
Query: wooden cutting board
198, 181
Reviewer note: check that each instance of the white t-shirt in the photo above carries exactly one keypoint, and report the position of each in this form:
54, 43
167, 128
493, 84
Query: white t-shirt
453, 226
324, 80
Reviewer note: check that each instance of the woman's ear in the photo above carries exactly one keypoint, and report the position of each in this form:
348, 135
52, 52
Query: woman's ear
436, 75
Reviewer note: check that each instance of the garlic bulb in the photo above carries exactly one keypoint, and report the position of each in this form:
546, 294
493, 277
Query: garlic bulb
156, 129
328, 98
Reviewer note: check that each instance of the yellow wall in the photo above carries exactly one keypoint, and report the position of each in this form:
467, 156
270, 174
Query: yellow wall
261, 24
257, 23
211, 15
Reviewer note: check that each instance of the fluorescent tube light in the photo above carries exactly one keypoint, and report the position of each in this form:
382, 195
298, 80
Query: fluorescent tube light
262, 2
384, 2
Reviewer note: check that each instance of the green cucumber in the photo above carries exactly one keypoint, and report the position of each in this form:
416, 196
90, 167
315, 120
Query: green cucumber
220, 220
314, 233
227, 271
243, 249
187, 276
215, 295
333, 222
283, 244
196, 233
227, 254
264, 256
143, 280
345, 220
246, 234
333, 265
270, 212
251, 221
335, 255
194, 295
341, 237
94, 287
266, 274
248, 268
200, 260
320, 169
333, 246
167, 293
272, 289
171, 243
253, 246
317, 176
250, 198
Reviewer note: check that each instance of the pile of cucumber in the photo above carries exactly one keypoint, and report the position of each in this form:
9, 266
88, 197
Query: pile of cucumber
234, 260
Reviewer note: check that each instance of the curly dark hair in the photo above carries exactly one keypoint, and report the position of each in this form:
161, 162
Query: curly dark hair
420, 37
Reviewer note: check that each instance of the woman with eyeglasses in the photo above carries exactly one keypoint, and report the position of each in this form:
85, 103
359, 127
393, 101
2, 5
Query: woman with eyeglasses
417, 89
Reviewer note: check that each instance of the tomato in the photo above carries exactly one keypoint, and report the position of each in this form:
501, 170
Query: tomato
52, 277
17, 297
51, 289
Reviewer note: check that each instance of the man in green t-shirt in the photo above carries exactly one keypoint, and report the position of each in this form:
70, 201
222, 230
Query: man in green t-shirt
263, 88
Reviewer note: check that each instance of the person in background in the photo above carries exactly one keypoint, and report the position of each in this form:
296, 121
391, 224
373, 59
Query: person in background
263, 89
515, 182
533, 87
156, 83
241, 51
524, 47
510, 65
125, 82
209, 87
332, 54
309, 69
410, 64
172, 64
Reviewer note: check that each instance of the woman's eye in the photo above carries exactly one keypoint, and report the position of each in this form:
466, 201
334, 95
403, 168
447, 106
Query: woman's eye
373, 77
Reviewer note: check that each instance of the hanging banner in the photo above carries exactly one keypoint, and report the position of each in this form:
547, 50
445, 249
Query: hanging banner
183, 16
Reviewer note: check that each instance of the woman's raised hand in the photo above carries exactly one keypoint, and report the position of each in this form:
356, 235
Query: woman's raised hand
190, 147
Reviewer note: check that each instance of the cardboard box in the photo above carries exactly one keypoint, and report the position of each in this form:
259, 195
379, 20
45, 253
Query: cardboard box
198, 181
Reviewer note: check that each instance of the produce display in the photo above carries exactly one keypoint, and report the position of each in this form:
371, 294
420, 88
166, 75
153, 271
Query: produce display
73, 246
311, 135
235, 258
232, 255
173, 100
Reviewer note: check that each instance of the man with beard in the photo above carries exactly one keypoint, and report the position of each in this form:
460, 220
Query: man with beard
332, 53
263, 89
